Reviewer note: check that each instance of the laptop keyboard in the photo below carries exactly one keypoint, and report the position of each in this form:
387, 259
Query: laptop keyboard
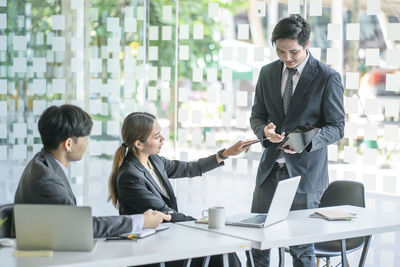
255, 219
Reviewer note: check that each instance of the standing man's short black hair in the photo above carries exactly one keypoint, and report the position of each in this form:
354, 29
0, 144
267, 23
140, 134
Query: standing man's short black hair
57, 124
293, 27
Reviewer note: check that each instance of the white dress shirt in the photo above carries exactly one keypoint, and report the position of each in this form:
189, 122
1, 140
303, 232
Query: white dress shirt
157, 179
295, 79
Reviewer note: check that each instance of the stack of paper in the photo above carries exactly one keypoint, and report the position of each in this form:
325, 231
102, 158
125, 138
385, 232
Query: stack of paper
333, 215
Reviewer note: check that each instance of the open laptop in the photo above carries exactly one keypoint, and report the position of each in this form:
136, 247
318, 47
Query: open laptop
53, 227
278, 211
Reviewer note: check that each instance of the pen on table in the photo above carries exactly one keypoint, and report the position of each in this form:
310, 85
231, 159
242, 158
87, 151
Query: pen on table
122, 238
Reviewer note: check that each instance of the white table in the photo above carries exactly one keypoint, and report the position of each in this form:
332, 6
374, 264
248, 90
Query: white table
176, 243
300, 229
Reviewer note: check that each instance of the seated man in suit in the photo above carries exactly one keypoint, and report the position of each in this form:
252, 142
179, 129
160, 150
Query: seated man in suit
65, 133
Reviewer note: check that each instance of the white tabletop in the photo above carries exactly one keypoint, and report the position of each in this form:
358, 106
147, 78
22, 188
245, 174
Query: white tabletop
176, 243
300, 229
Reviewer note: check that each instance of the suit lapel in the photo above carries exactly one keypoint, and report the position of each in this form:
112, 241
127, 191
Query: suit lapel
308, 75
164, 179
147, 175
276, 78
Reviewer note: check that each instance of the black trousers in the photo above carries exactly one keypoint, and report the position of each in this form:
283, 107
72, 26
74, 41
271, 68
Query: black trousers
302, 255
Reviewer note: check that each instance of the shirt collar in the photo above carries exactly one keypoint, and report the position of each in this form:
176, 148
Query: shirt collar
65, 170
300, 67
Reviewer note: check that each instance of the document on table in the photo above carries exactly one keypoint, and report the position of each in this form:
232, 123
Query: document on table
333, 215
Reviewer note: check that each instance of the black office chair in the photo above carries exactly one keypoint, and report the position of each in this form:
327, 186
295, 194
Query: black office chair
6, 212
343, 193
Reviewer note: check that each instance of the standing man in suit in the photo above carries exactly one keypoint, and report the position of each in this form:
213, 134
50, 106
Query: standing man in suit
296, 90
65, 133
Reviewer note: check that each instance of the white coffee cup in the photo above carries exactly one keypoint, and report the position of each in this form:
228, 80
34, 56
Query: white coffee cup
216, 217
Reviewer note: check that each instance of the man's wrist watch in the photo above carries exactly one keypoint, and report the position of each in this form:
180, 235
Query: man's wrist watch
220, 154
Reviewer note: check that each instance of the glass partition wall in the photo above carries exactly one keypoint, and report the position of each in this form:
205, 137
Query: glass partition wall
193, 64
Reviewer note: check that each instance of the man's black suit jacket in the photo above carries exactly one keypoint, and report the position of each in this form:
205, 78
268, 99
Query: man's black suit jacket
44, 182
317, 101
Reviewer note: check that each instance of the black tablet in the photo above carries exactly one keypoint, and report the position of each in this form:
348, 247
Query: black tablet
298, 139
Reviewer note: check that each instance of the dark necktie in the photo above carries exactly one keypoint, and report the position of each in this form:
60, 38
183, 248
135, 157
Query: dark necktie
287, 94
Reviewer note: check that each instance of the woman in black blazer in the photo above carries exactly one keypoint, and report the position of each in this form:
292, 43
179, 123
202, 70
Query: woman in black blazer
140, 178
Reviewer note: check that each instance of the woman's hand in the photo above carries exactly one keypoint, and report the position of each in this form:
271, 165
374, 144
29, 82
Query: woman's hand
235, 149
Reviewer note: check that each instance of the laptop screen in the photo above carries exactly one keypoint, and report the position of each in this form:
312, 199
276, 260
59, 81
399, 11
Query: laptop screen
279, 208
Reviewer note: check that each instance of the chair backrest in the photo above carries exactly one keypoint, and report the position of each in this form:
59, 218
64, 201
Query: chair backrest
343, 193
6, 213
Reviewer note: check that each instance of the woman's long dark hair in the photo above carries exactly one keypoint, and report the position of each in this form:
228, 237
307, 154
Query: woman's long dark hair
136, 126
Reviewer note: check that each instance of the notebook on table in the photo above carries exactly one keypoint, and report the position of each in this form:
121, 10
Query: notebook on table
145, 232
333, 215
53, 227
279, 208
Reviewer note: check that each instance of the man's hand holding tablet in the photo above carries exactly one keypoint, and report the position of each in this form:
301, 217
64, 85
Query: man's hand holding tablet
294, 142
269, 132
273, 137
298, 139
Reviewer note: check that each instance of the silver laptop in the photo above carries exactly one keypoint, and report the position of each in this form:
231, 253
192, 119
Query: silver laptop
278, 211
53, 227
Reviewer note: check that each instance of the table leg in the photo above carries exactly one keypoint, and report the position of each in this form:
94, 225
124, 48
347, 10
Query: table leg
225, 260
206, 261
367, 241
187, 262
250, 257
343, 252
281, 257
